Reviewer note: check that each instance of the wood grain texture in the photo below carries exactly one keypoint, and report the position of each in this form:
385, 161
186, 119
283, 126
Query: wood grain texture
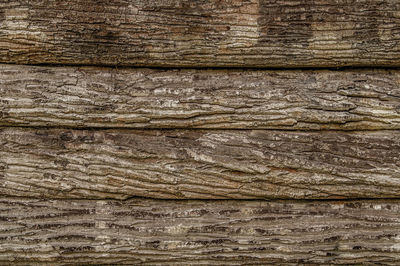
150, 98
197, 164
206, 33
157, 232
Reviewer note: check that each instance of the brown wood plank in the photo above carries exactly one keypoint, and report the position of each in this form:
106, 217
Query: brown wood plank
206, 33
150, 98
155, 232
197, 164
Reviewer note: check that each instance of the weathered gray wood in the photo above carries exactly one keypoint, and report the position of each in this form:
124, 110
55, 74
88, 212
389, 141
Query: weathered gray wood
198, 232
235, 33
247, 164
149, 98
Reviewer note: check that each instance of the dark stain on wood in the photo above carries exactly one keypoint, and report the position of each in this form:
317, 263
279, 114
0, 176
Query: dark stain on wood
286, 24
2, 16
367, 30
89, 26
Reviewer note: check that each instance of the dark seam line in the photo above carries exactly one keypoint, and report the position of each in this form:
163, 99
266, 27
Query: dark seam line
194, 129
332, 68
285, 200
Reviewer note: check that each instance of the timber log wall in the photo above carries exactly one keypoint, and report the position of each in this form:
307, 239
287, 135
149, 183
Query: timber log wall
176, 132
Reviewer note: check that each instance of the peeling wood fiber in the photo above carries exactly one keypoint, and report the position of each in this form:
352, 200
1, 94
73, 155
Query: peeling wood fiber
198, 164
205, 33
235, 99
157, 232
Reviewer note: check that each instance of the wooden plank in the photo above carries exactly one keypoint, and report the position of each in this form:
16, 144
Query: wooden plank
159, 232
153, 98
206, 33
197, 164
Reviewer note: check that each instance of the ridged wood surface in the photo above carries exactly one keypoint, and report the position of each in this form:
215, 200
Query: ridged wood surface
80, 146
206, 33
198, 164
236, 99
157, 232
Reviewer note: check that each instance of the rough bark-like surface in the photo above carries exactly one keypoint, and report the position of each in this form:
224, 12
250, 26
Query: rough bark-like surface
198, 232
149, 98
62, 163
237, 33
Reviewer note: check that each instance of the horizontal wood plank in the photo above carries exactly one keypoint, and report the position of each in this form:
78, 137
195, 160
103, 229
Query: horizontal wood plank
206, 33
150, 98
197, 164
155, 232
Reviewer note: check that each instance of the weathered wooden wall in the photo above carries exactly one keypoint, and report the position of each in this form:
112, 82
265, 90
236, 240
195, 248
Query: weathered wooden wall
95, 152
